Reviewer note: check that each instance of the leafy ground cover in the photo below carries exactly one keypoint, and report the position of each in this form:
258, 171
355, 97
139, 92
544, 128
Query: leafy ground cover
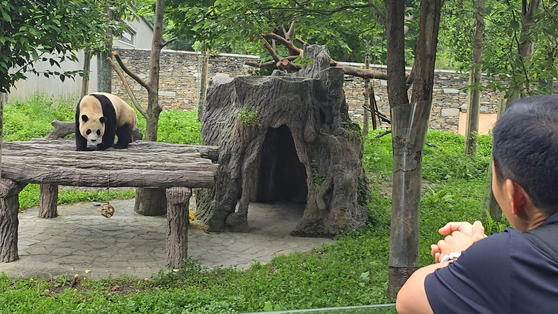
351, 272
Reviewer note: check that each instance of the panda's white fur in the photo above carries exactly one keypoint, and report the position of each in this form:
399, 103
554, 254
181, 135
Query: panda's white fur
104, 115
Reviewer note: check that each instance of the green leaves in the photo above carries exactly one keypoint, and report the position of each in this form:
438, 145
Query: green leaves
51, 29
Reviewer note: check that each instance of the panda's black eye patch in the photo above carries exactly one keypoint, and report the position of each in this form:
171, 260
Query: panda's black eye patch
98, 132
88, 132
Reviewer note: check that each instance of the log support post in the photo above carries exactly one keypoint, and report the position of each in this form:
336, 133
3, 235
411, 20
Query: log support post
9, 208
48, 201
178, 200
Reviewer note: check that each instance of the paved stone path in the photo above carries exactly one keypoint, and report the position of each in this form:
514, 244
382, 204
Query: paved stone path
82, 241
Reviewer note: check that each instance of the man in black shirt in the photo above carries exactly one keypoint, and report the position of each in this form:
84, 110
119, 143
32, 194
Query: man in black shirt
515, 271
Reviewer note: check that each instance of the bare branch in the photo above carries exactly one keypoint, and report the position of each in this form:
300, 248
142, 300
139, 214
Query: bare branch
168, 42
378, 10
300, 40
284, 42
132, 75
127, 87
270, 49
290, 33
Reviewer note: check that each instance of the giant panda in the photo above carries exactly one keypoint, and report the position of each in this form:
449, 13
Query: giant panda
102, 116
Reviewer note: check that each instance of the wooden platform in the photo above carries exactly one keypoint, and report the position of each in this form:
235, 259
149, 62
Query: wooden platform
144, 164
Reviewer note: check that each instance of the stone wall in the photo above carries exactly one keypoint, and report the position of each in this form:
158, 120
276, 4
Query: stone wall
180, 79
449, 98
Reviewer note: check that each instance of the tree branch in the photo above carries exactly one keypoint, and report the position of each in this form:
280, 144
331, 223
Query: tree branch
132, 75
270, 49
378, 10
168, 42
290, 33
300, 41
284, 42
267, 64
127, 87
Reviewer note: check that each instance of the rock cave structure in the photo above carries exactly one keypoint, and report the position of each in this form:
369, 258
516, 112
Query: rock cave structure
285, 138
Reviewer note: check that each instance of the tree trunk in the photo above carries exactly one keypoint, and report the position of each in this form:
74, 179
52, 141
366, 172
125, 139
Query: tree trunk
204, 62
492, 205
365, 119
104, 73
409, 125
475, 82
48, 200
2, 103
87, 70
397, 95
525, 52
153, 201
177, 225
104, 70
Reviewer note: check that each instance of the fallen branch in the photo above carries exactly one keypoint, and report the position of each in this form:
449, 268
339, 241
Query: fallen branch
383, 134
434, 145
127, 87
74, 281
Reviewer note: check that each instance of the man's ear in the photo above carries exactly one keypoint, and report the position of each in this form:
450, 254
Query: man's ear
517, 196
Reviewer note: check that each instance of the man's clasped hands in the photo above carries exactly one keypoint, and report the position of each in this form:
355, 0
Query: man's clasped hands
459, 236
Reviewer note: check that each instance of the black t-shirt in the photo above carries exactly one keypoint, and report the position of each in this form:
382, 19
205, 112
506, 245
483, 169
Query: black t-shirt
503, 273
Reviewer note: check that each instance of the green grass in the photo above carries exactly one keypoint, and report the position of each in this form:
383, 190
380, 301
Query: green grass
352, 272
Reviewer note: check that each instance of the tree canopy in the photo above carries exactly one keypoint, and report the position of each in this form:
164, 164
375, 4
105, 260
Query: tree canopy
50, 30
235, 26
505, 31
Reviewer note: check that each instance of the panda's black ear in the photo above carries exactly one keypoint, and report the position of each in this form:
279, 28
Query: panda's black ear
103, 119
84, 118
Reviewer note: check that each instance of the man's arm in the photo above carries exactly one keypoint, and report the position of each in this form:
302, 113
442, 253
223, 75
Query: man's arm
412, 296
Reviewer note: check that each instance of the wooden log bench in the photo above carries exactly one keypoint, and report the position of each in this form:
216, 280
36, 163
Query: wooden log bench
178, 168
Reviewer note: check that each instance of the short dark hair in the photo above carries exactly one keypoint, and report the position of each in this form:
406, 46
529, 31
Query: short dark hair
525, 149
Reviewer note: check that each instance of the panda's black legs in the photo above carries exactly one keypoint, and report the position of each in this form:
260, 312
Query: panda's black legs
81, 142
124, 134
108, 137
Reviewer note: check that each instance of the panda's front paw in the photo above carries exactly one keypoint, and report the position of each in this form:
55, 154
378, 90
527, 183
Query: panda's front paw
102, 146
